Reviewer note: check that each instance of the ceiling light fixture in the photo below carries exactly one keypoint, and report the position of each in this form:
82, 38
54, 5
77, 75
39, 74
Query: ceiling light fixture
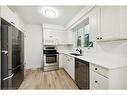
50, 12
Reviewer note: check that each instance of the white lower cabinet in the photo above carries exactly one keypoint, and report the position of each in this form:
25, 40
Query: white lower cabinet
65, 65
102, 78
99, 77
98, 81
69, 65
61, 60
100, 70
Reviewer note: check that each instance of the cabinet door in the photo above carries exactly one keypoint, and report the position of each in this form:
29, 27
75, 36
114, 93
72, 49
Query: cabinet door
62, 37
94, 22
71, 67
7, 14
123, 22
59, 36
67, 65
110, 22
61, 60
98, 81
47, 34
65, 62
49, 38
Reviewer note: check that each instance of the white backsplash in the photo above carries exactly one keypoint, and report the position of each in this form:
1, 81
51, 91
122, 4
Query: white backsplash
67, 48
115, 50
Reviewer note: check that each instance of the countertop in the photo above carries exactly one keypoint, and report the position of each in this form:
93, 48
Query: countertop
105, 62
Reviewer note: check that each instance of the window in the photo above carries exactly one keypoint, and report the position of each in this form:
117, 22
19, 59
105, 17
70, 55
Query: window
82, 35
79, 38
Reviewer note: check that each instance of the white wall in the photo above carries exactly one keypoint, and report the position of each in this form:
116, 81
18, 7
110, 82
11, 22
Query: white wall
33, 46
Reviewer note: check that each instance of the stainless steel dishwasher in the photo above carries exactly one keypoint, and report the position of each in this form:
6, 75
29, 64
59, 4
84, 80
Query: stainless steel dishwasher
82, 73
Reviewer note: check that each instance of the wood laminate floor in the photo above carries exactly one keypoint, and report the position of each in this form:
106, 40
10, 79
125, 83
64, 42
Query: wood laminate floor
37, 79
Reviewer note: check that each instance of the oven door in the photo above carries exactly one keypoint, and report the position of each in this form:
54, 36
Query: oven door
50, 59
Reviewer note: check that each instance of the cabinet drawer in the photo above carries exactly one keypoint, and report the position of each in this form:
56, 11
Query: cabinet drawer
100, 70
98, 81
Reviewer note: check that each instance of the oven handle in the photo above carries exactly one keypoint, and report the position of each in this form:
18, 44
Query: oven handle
51, 54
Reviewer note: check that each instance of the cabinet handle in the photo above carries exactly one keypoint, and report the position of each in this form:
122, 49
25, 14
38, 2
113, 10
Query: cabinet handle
97, 38
100, 37
95, 68
12, 22
96, 81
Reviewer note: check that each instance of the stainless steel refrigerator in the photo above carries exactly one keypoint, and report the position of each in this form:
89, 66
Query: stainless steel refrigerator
12, 56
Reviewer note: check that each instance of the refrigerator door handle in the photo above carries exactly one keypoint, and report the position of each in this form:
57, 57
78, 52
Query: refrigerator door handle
4, 51
8, 77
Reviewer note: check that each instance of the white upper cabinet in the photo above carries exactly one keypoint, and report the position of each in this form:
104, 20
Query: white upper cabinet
8, 15
11, 17
61, 37
94, 23
108, 23
56, 37
123, 22
49, 37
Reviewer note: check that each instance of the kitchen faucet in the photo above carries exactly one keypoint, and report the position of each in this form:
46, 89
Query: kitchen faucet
80, 51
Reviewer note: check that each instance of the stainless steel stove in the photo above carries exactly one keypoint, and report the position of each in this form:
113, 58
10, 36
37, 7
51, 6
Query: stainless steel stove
51, 58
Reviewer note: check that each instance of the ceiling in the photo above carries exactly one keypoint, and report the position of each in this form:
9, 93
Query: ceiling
32, 14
